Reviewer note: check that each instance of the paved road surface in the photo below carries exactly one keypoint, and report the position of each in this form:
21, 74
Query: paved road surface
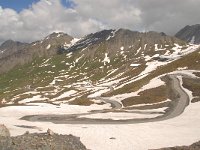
180, 104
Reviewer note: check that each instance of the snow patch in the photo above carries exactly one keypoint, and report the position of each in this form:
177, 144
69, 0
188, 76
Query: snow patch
65, 94
145, 46
122, 48
48, 46
134, 65
192, 40
79, 58
72, 42
34, 98
106, 59
119, 116
111, 36
138, 51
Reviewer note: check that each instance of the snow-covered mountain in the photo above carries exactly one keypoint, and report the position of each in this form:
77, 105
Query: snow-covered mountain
63, 69
190, 34
109, 77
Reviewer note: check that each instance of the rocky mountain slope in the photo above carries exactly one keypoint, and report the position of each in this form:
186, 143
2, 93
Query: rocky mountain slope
39, 141
10, 47
121, 60
190, 34
16, 53
109, 77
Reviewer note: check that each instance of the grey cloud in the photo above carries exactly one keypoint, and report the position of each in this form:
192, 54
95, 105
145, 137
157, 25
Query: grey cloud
169, 15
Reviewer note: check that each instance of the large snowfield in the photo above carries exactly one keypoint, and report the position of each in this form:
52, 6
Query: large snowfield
182, 130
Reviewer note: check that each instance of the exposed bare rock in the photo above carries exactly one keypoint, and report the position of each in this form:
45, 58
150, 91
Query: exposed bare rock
40, 141
15, 53
195, 146
50, 132
5, 139
4, 131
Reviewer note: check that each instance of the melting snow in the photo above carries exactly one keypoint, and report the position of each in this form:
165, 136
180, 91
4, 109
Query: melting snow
168, 133
192, 40
134, 65
138, 51
44, 64
156, 47
3, 51
79, 58
59, 34
69, 54
73, 41
119, 116
111, 36
106, 59
177, 47
145, 46
159, 49
34, 98
49, 46
182, 68
65, 94
147, 58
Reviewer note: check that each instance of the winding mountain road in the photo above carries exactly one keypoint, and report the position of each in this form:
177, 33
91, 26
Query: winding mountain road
180, 103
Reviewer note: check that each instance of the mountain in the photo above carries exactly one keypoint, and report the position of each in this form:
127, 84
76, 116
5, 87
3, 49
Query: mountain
115, 57
16, 53
190, 34
9, 47
22, 53
110, 77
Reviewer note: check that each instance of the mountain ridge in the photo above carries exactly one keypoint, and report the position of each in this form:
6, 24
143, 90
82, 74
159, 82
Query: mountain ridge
27, 52
190, 34
109, 77
56, 43
96, 57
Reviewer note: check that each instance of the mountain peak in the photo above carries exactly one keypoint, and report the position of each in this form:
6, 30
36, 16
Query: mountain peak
10, 43
190, 33
57, 35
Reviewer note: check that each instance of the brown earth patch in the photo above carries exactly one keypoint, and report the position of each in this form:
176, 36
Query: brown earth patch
154, 95
84, 101
194, 86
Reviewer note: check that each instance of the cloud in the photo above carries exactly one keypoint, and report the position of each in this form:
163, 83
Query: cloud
86, 16
169, 16
41, 19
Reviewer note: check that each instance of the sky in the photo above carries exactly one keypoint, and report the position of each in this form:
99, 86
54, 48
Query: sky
30, 20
